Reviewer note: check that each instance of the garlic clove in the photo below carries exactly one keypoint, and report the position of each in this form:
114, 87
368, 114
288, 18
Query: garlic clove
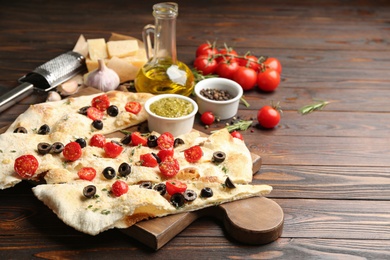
68, 88
53, 96
103, 78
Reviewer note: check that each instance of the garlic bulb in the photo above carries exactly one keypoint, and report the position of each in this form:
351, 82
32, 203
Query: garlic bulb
103, 78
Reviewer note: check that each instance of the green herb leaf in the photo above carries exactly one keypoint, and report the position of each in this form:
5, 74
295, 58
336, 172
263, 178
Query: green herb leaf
240, 125
312, 107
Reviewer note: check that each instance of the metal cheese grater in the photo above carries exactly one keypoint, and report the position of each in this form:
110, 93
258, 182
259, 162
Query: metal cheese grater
45, 77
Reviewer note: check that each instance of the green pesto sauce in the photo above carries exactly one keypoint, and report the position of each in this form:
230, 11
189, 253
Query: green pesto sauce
171, 107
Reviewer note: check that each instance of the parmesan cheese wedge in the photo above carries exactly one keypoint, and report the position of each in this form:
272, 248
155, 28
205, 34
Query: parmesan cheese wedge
122, 48
97, 49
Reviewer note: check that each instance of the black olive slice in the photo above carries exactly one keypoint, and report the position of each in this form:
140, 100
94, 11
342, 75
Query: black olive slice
112, 110
152, 141
44, 129
20, 130
190, 195
126, 139
146, 185
218, 157
229, 183
81, 142
177, 200
124, 169
177, 142
206, 192
160, 188
109, 173
89, 191
97, 124
56, 147
83, 110
157, 158
44, 148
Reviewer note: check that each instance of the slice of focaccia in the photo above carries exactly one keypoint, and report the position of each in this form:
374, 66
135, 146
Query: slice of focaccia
104, 211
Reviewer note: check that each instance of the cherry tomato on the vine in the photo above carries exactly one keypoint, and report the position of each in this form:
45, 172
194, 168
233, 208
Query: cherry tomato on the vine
249, 61
207, 65
268, 116
246, 77
273, 63
237, 134
227, 54
268, 80
207, 49
207, 118
227, 68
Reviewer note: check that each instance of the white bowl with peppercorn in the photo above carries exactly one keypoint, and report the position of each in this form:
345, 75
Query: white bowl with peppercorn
171, 113
218, 95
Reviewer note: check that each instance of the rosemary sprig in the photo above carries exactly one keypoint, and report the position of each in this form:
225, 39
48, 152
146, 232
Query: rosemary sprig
312, 107
240, 125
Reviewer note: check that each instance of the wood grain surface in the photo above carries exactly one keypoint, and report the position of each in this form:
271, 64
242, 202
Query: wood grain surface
329, 170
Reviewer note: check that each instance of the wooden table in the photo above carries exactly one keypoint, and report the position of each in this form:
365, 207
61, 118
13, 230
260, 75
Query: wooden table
329, 169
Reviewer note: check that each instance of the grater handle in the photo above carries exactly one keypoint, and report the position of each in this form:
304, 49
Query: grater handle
15, 95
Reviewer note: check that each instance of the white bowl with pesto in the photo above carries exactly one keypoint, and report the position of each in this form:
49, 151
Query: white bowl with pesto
223, 109
171, 113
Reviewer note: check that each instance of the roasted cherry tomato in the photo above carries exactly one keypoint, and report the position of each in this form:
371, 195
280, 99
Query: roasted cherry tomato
112, 149
193, 154
207, 65
119, 188
268, 80
268, 117
26, 166
237, 134
246, 77
207, 118
175, 186
207, 49
94, 113
87, 173
97, 140
162, 154
148, 160
165, 141
227, 68
169, 167
138, 139
101, 102
133, 107
72, 151
273, 63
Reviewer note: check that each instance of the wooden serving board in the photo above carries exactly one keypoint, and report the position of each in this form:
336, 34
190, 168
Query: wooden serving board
253, 221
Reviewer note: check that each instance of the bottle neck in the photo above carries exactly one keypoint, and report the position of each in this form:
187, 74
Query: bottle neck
165, 39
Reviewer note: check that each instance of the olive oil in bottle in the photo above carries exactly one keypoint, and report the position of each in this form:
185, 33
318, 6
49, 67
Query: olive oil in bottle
163, 73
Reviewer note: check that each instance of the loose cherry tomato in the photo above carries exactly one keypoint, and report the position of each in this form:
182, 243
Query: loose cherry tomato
193, 154
148, 160
273, 63
246, 77
227, 68
94, 113
268, 117
206, 49
169, 167
138, 139
268, 80
249, 61
165, 141
237, 135
26, 166
175, 186
119, 188
227, 53
97, 140
133, 107
72, 151
112, 149
162, 154
87, 173
207, 118
207, 65
101, 102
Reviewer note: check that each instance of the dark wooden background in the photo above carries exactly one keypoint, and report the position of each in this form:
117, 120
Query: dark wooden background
330, 169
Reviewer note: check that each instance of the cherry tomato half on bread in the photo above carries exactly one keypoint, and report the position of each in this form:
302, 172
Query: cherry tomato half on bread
148, 160
94, 113
72, 151
207, 118
101, 102
193, 154
138, 139
112, 149
133, 107
97, 140
162, 154
268, 117
237, 134
169, 167
119, 188
26, 166
175, 186
165, 141
87, 173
